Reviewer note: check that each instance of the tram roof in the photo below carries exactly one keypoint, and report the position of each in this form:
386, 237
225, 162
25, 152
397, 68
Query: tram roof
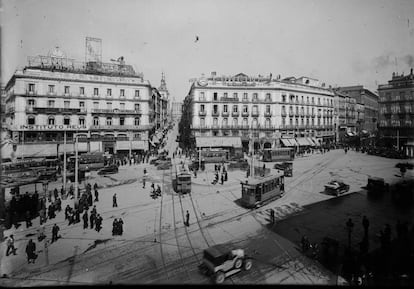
259, 180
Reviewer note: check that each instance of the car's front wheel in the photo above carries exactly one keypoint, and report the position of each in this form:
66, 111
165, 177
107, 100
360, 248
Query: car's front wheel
248, 263
219, 277
238, 263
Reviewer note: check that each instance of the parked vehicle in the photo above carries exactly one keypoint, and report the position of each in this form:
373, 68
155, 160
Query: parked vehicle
407, 165
220, 261
377, 185
111, 169
336, 188
286, 167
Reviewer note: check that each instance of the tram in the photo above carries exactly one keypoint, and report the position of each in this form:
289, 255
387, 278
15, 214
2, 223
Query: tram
181, 179
278, 154
260, 191
214, 155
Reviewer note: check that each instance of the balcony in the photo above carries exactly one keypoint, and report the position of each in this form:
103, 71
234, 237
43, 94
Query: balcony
202, 113
54, 110
245, 113
120, 127
215, 113
287, 126
229, 99
226, 127
268, 113
235, 114
116, 111
225, 113
268, 100
31, 92
255, 113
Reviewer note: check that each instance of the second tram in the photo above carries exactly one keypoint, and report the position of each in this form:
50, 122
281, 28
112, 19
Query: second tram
278, 154
260, 191
181, 179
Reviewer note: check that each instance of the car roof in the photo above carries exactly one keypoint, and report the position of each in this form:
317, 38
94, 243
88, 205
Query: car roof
218, 250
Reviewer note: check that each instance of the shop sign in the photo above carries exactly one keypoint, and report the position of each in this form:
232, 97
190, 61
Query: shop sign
46, 127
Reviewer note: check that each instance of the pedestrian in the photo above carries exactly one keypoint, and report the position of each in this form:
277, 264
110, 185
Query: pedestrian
222, 178
120, 226
115, 227
77, 215
10, 245
96, 195
30, 252
95, 186
365, 224
225, 176
90, 202
55, 231
272, 215
98, 223
58, 204
67, 211
85, 220
187, 218
28, 219
92, 219
114, 203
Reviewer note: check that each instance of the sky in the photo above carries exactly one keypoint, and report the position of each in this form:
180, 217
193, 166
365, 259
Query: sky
338, 42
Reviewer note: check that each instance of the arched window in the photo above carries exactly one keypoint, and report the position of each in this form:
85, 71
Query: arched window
245, 122
109, 121
235, 122
66, 120
31, 120
254, 122
51, 120
225, 121
267, 123
81, 121
136, 121
96, 120
215, 121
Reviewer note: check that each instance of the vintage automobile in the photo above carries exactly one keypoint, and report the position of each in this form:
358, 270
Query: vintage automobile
111, 169
220, 261
377, 185
336, 188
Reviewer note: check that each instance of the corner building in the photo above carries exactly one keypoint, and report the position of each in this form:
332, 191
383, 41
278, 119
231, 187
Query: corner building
107, 105
230, 110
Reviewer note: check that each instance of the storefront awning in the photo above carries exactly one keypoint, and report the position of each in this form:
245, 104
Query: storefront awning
310, 141
286, 142
315, 141
294, 142
215, 142
302, 141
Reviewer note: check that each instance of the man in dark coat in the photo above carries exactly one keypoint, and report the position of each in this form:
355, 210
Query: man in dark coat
96, 195
85, 220
98, 223
30, 252
114, 203
115, 227
120, 226
55, 231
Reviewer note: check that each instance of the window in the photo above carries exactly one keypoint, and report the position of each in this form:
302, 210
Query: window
225, 108
225, 122
215, 96
267, 123
215, 109
66, 120
81, 121
283, 97
66, 104
235, 108
255, 109
290, 121
136, 93
215, 121
235, 122
245, 108
31, 120
66, 89
122, 106
255, 96
255, 124
96, 105
202, 97
109, 105
109, 92
95, 120
283, 120
81, 104
202, 122
82, 90
136, 107
136, 121
122, 92
235, 95
245, 96
121, 121
51, 88
268, 109
51, 103
31, 87
302, 99
109, 121
313, 100
268, 97
225, 95
51, 120
202, 108
31, 102
245, 122
96, 91
319, 101
296, 121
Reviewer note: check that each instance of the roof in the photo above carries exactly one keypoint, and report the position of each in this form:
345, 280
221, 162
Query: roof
218, 142
259, 180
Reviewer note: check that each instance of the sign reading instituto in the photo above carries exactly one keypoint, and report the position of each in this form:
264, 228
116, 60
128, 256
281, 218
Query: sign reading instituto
53, 127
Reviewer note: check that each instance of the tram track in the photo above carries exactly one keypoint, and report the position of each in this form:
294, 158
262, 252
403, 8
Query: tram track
160, 227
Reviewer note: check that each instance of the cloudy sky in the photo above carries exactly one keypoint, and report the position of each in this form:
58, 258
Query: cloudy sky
338, 42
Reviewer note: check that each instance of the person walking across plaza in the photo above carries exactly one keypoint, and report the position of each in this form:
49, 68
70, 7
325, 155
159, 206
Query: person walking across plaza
85, 220
187, 218
30, 252
114, 202
55, 231
98, 226
96, 195
10, 246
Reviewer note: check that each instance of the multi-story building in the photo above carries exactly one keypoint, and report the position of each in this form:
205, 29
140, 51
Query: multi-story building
176, 110
164, 103
3, 108
396, 106
230, 110
367, 108
107, 105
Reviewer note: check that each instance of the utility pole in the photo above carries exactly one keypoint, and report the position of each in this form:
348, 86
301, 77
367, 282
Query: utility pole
76, 170
64, 162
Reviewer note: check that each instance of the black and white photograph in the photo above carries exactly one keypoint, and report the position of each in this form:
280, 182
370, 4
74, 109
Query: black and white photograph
206, 142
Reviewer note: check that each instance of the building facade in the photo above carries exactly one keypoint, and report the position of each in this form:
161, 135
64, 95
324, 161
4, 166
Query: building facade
162, 104
367, 108
345, 116
265, 109
396, 118
108, 106
176, 110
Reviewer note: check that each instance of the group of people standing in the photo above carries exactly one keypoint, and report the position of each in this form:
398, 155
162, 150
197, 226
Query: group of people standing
220, 169
117, 227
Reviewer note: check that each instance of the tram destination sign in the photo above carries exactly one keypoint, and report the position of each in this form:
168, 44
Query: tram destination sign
47, 127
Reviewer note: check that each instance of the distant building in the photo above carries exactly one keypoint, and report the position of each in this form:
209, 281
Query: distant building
268, 110
345, 116
108, 105
176, 110
163, 104
396, 105
367, 108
